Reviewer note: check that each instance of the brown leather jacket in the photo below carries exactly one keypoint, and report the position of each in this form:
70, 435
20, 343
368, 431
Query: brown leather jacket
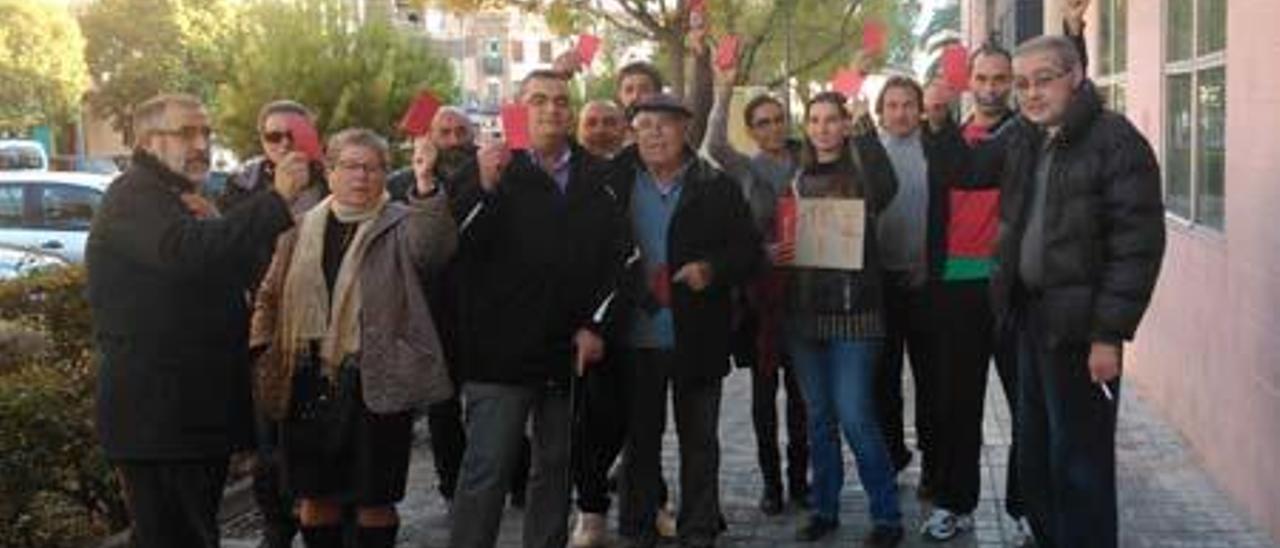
401, 364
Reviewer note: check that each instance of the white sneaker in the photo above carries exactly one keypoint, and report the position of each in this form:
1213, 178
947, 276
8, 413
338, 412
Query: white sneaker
1022, 536
945, 525
665, 522
590, 532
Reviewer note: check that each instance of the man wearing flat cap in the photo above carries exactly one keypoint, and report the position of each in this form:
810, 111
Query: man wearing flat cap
694, 240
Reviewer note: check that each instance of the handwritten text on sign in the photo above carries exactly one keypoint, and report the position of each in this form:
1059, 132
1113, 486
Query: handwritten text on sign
829, 233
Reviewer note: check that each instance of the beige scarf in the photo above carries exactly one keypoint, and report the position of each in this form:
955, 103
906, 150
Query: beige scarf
306, 313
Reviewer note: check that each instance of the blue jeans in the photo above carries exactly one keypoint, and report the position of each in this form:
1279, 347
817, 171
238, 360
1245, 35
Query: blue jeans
837, 378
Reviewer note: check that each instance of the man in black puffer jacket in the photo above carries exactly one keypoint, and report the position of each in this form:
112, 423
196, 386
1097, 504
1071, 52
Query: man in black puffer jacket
1081, 240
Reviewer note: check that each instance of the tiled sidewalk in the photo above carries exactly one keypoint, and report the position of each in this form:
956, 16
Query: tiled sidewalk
1165, 499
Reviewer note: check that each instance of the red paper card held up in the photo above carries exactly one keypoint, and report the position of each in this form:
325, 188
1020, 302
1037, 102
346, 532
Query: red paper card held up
515, 125
847, 81
588, 45
417, 120
305, 138
874, 37
785, 220
955, 67
727, 52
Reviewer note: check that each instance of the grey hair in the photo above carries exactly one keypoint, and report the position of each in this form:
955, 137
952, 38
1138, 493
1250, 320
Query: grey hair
282, 106
1061, 48
358, 137
148, 116
455, 111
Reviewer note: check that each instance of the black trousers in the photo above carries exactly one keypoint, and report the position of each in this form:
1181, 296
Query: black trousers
601, 431
909, 331
448, 440
174, 503
764, 417
967, 342
697, 416
1067, 439
274, 501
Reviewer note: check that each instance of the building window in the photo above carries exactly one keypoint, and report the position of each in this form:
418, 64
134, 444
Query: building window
517, 51
1195, 110
1113, 54
544, 51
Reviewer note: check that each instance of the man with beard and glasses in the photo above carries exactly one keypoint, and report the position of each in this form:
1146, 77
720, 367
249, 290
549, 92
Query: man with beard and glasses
167, 286
602, 128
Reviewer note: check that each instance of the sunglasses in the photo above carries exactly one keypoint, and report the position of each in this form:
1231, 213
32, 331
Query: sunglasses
275, 137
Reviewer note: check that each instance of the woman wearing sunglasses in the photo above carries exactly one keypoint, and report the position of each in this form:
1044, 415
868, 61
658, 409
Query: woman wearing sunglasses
278, 122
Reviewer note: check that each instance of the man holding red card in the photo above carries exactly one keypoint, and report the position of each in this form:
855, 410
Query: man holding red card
541, 247
695, 243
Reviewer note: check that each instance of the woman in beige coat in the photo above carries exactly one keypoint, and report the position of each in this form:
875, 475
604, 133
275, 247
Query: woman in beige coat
348, 346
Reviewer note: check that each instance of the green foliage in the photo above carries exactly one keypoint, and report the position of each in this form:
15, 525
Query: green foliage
55, 486
308, 51
138, 48
42, 68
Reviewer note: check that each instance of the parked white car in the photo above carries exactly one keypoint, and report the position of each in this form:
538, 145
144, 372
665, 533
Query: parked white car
49, 210
22, 155
20, 261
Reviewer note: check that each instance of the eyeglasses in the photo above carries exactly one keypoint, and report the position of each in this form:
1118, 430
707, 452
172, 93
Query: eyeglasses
189, 133
1039, 80
274, 137
367, 169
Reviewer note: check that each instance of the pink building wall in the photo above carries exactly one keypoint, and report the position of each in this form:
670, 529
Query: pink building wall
1208, 353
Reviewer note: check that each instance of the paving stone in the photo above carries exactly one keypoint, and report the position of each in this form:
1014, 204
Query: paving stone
1166, 500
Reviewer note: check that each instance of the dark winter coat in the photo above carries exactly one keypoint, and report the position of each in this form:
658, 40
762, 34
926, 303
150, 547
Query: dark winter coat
168, 294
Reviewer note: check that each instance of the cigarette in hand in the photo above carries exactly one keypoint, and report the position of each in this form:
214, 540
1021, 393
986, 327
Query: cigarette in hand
1106, 391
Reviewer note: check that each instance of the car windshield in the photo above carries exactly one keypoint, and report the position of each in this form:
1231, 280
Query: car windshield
15, 157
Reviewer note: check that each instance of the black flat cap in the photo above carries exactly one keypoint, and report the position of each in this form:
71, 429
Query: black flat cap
659, 102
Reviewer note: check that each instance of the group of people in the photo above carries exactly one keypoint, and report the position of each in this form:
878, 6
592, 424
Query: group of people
539, 305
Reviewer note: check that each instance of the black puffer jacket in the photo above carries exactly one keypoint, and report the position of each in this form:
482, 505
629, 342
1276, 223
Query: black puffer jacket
1103, 221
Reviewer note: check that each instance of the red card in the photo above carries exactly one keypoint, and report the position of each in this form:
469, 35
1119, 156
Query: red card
697, 14
515, 125
727, 52
847, 81
660, 285
785, 220
417, 120
305, 138
874, 37
588, 45
955, 67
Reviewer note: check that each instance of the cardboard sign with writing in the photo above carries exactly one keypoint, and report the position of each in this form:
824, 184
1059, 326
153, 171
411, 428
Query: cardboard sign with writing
828, 232
515, 125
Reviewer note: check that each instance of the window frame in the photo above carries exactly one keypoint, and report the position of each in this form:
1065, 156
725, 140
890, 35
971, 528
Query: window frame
44, 190
1109, 81
1191, 67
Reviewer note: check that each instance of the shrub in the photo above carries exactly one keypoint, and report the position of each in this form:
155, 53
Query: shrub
55, 486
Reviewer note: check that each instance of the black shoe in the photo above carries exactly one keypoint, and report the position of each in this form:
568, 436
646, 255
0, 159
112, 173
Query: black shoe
902, 461
517, 500
883, 536
815, 528
800, 496
771, 503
